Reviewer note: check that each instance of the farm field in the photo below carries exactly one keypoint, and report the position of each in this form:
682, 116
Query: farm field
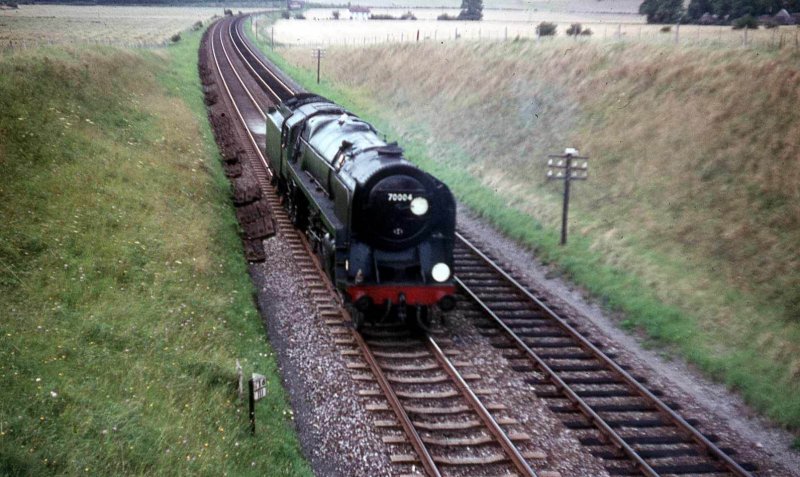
124, 26
550, 5
689, 222
320, 29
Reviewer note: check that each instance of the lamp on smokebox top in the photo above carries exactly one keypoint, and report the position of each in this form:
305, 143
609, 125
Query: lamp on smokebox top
258, 390
318, 53
567, 167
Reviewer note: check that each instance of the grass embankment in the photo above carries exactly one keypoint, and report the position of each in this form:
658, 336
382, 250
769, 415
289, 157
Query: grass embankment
690, 221
124, 296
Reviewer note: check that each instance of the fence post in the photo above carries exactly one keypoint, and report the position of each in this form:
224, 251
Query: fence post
677, 33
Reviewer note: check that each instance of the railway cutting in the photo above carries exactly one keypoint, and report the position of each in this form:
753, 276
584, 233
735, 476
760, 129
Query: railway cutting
417, 387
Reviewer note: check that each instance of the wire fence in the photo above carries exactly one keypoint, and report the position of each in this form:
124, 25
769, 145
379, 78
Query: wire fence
686, 35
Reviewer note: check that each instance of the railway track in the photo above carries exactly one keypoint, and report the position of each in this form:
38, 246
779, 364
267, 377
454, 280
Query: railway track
614, 414
432, 418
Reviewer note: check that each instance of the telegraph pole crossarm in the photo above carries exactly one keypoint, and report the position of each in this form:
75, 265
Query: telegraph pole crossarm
567, 167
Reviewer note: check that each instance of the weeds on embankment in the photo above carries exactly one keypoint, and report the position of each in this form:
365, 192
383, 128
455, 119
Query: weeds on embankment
124, 296
689, 223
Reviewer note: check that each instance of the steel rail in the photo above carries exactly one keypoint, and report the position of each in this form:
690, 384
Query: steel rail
408, 426
233, 101
416, 441
246, 41
241, 81
713, 451
426, 459
598, 421
255, 74
502, 438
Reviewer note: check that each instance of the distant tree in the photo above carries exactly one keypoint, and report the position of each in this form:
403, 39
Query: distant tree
546, 29
697, 8
747, 21
662, 11
471, 10
575, 29
730, 9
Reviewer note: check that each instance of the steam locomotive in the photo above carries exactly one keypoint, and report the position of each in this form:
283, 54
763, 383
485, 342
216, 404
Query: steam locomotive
382, 229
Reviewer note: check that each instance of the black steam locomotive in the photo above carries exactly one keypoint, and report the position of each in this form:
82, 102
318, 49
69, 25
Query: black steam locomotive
382, 229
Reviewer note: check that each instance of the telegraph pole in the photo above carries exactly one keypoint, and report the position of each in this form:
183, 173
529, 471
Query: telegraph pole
567, 167
318, 54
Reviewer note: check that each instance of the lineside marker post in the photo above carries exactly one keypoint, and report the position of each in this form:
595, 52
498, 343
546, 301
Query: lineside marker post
567, 167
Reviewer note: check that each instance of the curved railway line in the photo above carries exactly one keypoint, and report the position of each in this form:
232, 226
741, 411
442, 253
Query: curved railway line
434, 420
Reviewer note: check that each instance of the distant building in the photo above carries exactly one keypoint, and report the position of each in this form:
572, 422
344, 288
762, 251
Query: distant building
708, 19
295, 5
359, 13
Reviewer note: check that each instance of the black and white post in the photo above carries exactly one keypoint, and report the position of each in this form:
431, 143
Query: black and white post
258, 389
567, 167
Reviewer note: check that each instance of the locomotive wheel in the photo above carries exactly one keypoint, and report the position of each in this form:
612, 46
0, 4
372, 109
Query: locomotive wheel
298, 212
293, 213
423, 319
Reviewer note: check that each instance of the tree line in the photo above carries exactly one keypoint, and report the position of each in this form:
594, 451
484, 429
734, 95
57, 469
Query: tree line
237, 3
723, 11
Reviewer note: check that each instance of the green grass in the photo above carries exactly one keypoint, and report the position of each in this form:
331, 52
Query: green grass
650, 245
125, 299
